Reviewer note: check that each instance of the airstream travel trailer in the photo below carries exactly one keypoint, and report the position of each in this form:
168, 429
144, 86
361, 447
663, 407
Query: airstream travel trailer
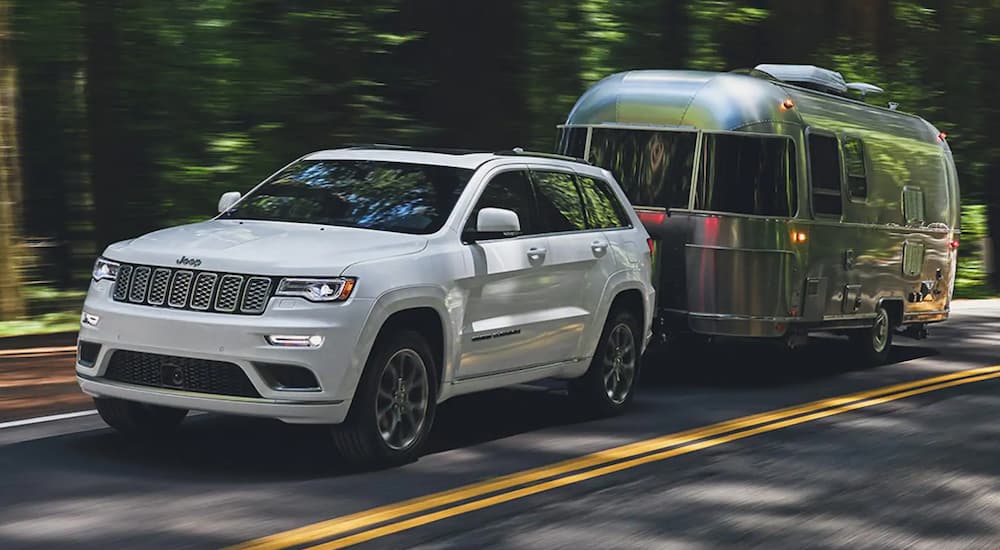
780, 204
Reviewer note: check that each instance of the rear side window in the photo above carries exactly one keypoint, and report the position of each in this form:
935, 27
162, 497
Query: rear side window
603, 209
653, 168
824, 172
510, 190
747, 175
560, 207
854, 161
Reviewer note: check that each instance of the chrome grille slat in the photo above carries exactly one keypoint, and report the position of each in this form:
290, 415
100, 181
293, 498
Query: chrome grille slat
122, 281
255, 297
229, 293
204, 286
140, 282
193, 290
158, 287
180, 288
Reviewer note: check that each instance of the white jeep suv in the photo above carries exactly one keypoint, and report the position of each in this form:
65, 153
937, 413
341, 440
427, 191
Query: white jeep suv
361, 287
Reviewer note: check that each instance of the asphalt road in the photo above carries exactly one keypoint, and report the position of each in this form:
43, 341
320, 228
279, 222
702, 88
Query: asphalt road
915, 466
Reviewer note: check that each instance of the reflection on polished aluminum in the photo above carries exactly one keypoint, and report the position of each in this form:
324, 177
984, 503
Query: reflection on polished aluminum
779, 207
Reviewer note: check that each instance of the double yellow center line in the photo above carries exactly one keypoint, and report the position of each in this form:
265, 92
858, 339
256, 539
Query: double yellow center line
385, 520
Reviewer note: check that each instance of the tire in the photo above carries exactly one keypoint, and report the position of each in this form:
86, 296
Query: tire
384, 426
608, 386
873, 344
138, 419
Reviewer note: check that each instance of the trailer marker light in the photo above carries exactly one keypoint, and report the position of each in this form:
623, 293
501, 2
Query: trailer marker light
787, 104
654, 218
799, 237
953, 244
942, 136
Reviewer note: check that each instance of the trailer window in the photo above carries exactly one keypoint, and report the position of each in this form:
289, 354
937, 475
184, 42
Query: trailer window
747, 175
572, 142
854, 161
824, 172
653, 168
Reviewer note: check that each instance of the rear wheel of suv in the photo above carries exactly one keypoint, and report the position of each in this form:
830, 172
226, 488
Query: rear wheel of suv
129, 417
609, 384
393, 409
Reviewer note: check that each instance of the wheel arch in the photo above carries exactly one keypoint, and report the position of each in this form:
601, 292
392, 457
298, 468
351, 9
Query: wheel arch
894, 306
420, 308
624, 292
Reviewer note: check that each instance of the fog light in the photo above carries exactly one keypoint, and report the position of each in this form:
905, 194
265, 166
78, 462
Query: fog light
314, 341
89, 319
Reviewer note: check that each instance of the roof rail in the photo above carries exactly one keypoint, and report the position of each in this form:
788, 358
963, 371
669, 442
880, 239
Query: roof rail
392, 147
517, 151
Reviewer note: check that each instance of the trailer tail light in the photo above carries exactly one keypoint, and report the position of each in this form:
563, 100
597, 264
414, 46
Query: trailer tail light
651, 245
799, 237
953, 244
653, 218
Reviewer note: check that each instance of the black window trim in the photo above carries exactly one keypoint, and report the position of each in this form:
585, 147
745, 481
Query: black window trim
532, 169
840, 155
487, 179
697, 175
614, 196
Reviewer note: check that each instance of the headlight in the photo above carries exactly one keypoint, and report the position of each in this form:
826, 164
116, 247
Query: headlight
317, 290
105, 269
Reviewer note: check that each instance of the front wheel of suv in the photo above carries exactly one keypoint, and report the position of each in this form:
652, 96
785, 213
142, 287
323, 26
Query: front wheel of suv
139, 419
394, 406
608, 386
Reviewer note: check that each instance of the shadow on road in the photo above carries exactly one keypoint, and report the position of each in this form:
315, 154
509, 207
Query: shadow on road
243, 449
748, 364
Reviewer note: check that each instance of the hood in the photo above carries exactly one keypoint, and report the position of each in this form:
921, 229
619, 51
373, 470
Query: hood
264, 247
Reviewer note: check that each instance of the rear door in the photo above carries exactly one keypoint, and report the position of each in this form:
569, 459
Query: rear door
580, 258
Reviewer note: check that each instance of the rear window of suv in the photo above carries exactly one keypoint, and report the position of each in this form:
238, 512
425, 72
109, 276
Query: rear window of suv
385, 196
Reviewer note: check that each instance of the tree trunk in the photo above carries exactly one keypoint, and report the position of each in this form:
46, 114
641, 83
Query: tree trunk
11, 299
105, 136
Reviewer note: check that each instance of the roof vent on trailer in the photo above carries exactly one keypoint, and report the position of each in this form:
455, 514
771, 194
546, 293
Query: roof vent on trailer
816, 78
807, 76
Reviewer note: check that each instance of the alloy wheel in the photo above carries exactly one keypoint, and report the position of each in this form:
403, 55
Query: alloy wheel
619, 363
403, 399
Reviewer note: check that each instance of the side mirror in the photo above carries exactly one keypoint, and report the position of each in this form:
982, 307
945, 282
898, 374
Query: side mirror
227, 200
495, 223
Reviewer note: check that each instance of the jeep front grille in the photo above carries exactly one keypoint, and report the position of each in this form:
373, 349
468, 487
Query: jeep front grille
193, 290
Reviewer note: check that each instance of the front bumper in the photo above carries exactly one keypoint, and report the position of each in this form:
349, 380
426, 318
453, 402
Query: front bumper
293, 412
235, 339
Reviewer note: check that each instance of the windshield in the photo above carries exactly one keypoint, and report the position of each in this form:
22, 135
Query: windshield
386, 196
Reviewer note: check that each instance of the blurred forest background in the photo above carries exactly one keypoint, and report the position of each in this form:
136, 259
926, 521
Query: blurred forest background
118, 117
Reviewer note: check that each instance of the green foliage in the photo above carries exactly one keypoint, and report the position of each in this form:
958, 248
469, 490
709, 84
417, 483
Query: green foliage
137, 115
970, 279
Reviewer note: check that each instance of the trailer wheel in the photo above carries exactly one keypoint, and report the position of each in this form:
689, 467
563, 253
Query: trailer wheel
873, 344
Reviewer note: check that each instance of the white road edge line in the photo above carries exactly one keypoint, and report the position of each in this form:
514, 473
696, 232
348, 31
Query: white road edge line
41, 419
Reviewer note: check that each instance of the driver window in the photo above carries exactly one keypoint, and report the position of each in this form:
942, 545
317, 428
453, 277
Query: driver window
512, 191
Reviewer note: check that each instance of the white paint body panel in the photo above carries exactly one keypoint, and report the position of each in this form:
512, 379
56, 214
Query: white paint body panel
509, 315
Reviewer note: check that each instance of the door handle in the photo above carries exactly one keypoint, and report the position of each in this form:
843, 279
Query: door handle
536, 254
599, 247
